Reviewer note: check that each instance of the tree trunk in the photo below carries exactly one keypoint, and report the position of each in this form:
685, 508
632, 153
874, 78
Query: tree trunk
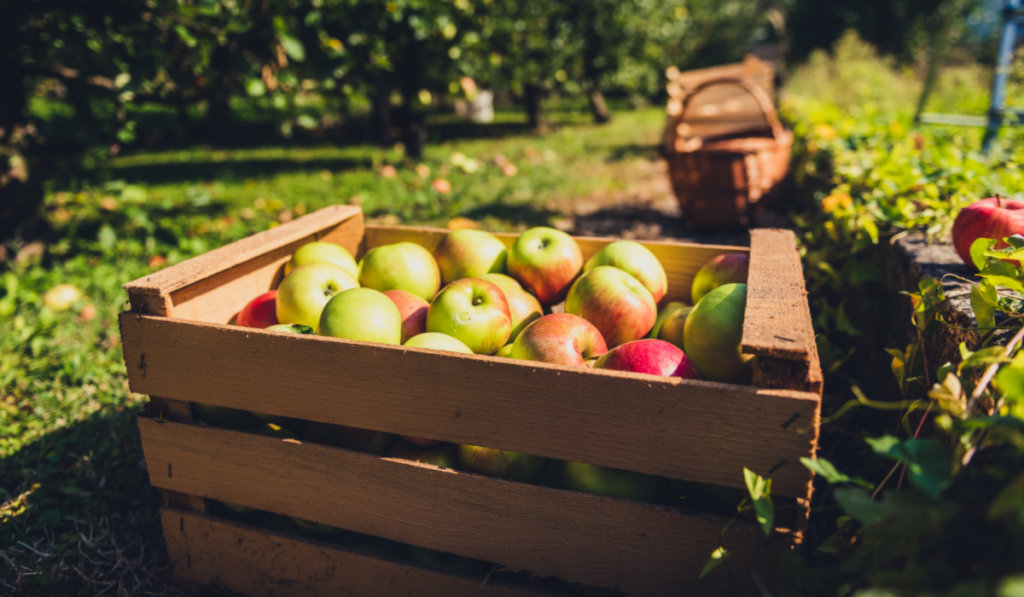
382, 116
599, 108
218, 113
533, 96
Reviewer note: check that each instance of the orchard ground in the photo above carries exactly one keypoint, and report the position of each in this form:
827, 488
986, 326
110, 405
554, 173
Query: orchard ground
76, 512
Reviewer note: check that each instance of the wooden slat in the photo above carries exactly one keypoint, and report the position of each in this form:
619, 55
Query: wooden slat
699, 431
229, 277
218, 555
681, 261
777, 320
634, 547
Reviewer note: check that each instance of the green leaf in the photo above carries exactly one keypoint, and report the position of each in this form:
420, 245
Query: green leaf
978, 249
1011, 381
1011, 586
828, 470
1003, 273
983, 303
760, 493
1010, 501
929, 461
858, 504
839, 540
292, 47
985, 357
185, 36
718, 557
50, 518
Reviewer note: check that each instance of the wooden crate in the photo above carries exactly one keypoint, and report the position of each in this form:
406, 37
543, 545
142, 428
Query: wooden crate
179, 349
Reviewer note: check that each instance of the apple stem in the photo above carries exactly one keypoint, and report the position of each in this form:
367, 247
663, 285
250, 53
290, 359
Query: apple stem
999, 201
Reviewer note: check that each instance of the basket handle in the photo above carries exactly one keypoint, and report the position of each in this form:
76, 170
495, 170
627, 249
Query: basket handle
763, 101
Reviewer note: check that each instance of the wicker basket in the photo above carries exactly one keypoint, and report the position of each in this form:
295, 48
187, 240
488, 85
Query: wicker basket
721, 180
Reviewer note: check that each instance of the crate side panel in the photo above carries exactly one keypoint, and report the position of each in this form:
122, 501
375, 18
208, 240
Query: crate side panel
222, 555
698, 431
218, 298
604, 542
681, 261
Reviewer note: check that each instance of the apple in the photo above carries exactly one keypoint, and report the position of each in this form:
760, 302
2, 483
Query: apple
713, 333
301, 297
436, 341
602, 480
559, 338
260, 312
523, 306
446, 456
469, 254
722, 270
505, 351
413, 310
545, 261
401, 266
322, 251
672, 329
351, 438
994, 218
503, 464
655, 357
473, 311
618, 305
663, 315
637, 261
362, 314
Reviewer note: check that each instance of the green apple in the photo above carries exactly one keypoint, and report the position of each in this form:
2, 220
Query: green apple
724, 269
523, 306
503, 464
443, 456
301, 297
290, 328
505, 351
601, 480
673, 327
637, 261
350, 438
322, 251
473, 311
618, 305
436, 341
469, 254
545, 261
401, 266
362, 314
713, 333
664, 314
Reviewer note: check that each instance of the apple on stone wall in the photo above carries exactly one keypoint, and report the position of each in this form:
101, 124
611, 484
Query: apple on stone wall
994, 218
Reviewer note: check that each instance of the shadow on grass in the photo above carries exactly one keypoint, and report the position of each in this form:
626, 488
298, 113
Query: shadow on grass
86, 521
642, 222
230, 169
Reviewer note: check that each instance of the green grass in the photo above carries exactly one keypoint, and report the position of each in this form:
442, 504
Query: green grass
72, 479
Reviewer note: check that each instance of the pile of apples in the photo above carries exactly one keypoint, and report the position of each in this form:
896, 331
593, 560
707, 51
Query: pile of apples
535, 301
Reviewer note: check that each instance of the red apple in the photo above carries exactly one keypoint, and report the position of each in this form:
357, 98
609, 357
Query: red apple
637, 261
618, 305
469, 254
413, 310
655, 357
545, 261
559, 338
722, 270
994, 218
473, 311
261, 312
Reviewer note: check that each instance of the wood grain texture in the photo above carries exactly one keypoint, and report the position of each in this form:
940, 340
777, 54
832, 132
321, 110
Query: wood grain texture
681, 261
230, 276
777, 320
699, 431
634, 547
219, 555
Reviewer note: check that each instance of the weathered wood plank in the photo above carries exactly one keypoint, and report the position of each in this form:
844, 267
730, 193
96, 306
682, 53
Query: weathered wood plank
681, 261
777, 321
605, 542
699, 431
219, 555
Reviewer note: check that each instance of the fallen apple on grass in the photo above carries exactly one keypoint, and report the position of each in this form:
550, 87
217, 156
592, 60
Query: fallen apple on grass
560, 339
469, 254
322, 251
732, 268
637, 261
302, 296
401, 266
545, 261
473, 311
618, 305
260, 312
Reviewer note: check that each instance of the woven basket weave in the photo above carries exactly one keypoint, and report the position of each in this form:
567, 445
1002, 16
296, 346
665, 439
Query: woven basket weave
721, 181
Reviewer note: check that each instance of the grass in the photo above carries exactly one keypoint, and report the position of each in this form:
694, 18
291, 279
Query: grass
77, 514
